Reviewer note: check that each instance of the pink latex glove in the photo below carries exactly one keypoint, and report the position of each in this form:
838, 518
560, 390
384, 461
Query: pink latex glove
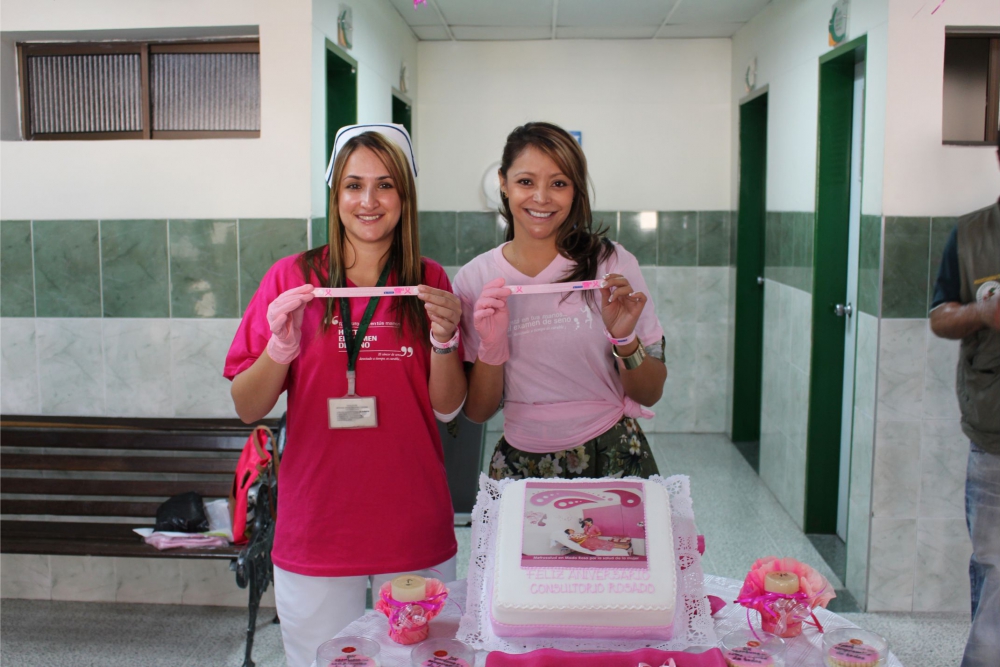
491, 319
284, 316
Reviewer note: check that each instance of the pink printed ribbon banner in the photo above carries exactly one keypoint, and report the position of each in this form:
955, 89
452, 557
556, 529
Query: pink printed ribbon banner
547, 288
693, 623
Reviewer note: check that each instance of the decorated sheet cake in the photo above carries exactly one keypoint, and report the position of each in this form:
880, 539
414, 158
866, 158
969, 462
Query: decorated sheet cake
608, 564
588, 559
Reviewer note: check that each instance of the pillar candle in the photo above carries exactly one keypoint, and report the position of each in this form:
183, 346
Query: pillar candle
786, 583
409, 588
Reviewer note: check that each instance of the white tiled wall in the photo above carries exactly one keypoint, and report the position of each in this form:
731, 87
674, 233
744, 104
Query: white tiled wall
138, 580
116, 367
920, 547
785, 395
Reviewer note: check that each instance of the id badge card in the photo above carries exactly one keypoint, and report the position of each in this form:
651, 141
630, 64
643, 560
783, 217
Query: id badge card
352, 412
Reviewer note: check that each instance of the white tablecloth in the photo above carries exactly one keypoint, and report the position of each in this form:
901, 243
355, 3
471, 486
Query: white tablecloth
803, 651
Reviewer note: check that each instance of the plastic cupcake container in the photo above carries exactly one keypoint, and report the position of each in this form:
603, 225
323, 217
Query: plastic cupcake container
854, 647
348, 652
743, 648
442, 653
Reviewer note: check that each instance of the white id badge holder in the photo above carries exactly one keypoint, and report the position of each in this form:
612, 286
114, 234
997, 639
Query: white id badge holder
352, 411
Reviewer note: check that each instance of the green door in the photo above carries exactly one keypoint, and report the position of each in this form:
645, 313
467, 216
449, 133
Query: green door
830, 276
341, 103
402, 111
749, 278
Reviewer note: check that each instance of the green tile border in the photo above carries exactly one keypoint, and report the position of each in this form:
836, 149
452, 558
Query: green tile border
134, 268
906, 268
67, 268
17, 274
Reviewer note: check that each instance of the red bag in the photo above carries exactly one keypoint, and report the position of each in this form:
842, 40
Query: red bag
256, 466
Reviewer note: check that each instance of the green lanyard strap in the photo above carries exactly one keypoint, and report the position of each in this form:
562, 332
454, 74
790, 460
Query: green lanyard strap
355, 341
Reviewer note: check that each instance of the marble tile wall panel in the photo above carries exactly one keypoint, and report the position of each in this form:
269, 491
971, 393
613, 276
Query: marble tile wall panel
896, 472
869, 263
866, 363
25, 576
204, 275
134, 268
902, 353
211, 583
941, 581
713, 238
318, 232
477, 233
859, 505
677, 294
712, 294
70, 366
84, 579
439, 236
18, 367
941, 229
67, 268
262, 242
944, 453
17, 282
677, 238
148, 580
892, 562
939, 400
637, 232
906, 258
198, 349
137, 368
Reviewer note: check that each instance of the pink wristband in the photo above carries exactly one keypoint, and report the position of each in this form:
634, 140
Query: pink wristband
620, 341
450, 345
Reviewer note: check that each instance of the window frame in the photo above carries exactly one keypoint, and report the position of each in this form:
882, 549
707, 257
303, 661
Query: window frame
143, 49
992, 82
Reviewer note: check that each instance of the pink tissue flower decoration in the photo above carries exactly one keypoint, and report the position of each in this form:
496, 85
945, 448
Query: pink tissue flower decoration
817, 589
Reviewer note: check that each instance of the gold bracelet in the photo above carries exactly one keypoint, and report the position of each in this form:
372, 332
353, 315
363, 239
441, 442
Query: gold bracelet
633, 360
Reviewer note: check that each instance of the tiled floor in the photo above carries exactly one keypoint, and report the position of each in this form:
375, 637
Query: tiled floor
741, 521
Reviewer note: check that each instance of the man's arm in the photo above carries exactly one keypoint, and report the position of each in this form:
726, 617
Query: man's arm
955, 321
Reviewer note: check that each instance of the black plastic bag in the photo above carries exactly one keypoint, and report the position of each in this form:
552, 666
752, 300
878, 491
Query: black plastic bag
184, 513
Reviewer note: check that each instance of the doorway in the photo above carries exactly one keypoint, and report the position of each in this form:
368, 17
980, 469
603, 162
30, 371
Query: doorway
341, 105
402, 111
751, 215
835, 258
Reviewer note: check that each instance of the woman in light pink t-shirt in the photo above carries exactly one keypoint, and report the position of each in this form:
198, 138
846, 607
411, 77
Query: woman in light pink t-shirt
571, 371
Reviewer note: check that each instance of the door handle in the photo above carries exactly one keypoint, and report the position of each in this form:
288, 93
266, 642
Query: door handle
760, 280
840, 310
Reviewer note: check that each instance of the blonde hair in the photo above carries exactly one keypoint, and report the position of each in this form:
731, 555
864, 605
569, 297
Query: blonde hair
326, 263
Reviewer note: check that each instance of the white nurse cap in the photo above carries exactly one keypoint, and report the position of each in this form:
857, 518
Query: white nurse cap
397, 134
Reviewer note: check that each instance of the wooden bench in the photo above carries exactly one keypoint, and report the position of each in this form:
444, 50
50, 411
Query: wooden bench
78, 487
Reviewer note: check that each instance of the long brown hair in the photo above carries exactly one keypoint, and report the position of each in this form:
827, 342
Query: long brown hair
576, 240
326, 263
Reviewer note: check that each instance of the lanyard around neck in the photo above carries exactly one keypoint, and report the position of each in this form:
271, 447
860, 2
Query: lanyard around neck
354, 341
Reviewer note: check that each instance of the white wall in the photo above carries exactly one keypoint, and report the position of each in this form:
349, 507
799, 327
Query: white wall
923, 177
787, 38
382, 42
265, 177
653, 116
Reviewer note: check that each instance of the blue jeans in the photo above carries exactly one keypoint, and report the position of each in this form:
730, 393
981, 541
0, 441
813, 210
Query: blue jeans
982, 514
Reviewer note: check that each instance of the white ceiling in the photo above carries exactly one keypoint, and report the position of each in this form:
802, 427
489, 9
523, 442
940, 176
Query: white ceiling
575, 19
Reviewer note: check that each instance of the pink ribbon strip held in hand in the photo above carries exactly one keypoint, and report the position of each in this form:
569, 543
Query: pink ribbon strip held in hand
547, 288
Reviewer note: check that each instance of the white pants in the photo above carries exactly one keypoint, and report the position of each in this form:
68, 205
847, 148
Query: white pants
314, 609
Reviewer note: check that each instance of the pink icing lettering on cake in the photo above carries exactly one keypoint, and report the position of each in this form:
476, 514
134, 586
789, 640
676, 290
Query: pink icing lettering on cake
853, 653
748, 656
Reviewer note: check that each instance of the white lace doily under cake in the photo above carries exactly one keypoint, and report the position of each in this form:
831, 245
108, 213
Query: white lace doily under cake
693, 623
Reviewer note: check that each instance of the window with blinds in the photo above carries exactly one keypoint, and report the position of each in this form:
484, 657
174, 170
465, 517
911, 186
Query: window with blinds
141, 90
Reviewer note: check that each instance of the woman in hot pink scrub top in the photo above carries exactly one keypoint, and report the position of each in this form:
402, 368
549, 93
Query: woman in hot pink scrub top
570, 371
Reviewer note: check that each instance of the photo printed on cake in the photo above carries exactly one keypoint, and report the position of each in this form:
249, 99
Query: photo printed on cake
589, 524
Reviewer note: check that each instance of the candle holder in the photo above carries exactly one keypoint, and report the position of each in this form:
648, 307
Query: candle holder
410, 616
784, 592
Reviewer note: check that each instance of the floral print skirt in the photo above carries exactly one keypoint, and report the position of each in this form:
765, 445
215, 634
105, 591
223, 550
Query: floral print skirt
621, 451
